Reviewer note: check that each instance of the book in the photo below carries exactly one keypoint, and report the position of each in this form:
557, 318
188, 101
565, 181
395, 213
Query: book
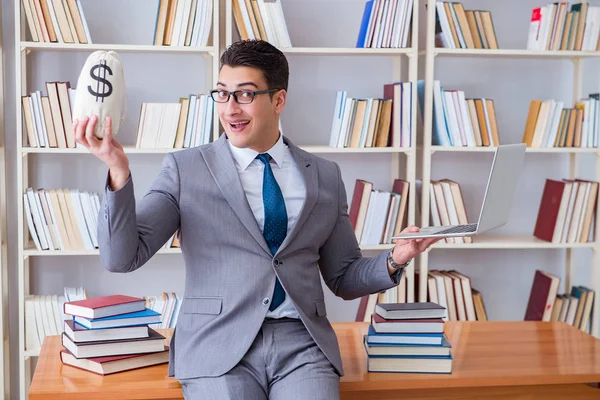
396, 349
154, 342
423, 339
410, 310
104, 306
112, 364
410, 364
147, 316
431, 325
79, 333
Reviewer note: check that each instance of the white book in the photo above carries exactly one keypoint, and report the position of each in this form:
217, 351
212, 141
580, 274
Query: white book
30, 223
199, 120
346, 117
190, 121
91, 218
46, 306
407, 113
37, 315
207, 119
336, 121
446, 32
199, 22
49, 226
55, 222
140, 131
41, 317
452, 214
466, 119
37, 129
54, 305
283, 37
364, 235
32, 341
553, 132
80, 219
178, 23
185, 19
37, 219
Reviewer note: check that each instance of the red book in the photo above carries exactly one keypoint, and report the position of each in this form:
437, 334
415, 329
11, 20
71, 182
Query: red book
548, 212
541, 298
104, 306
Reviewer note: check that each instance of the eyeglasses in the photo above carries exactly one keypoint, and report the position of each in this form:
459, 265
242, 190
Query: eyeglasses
240, 96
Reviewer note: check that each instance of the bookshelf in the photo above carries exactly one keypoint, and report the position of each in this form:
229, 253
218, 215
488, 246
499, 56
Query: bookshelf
29, 53
32, 160
565, 162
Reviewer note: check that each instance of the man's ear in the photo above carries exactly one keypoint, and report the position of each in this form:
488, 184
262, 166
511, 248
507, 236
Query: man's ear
280, 99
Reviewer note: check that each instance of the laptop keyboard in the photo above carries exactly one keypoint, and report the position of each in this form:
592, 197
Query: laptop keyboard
460, 229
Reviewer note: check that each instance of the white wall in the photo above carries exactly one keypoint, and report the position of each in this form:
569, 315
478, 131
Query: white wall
504, 277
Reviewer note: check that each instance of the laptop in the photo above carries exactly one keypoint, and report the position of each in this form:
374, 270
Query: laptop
497, 200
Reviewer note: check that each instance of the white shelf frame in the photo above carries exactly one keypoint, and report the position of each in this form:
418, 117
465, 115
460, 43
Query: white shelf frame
133, 150
516, 53
4, 302
428, 150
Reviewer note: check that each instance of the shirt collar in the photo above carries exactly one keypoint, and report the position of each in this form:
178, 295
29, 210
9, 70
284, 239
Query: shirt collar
245, 156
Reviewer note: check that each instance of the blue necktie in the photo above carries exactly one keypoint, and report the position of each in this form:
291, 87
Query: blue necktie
275, 228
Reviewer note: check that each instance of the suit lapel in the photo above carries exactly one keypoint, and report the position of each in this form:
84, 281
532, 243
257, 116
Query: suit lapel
221, 165
308, 169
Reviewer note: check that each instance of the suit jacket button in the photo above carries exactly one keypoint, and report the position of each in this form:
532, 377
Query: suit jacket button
276, 262
265, 301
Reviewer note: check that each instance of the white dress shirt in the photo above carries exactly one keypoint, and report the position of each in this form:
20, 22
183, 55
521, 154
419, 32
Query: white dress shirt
292, 186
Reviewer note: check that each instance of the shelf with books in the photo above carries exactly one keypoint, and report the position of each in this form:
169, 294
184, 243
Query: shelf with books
491, 149
31, 251
394, 44
66, 24
492, 241
121, 48
346, 51
512, 115
39, 61
556, 30
259, 19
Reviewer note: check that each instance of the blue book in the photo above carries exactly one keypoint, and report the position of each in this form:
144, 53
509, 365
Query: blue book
405, 338
364, 25
407, 349
144, 317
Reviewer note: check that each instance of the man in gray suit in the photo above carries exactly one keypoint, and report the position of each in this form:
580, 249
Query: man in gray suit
260, 222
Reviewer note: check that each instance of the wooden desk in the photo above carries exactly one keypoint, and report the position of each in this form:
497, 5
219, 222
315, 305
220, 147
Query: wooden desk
492, 360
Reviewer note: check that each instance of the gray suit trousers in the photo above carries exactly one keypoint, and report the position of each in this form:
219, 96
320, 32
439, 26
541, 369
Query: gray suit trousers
283, 362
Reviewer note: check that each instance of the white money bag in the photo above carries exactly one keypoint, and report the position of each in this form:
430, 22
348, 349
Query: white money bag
101, 90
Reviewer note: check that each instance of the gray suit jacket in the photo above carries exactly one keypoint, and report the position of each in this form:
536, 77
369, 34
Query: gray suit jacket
229, 268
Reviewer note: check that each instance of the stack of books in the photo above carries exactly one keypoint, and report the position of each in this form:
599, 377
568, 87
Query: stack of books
110, 334
408, 337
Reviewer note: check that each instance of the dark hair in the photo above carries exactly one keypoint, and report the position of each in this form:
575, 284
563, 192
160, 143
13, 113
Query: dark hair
262, 55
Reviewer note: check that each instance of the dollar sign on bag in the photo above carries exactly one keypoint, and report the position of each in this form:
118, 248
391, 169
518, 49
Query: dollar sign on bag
103, 86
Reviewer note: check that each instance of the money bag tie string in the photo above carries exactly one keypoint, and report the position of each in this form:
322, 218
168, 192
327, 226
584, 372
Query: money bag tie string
116, 55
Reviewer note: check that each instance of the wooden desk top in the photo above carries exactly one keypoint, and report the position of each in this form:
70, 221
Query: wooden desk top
485, 354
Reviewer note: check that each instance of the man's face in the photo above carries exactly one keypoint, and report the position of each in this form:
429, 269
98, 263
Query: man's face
253, 125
